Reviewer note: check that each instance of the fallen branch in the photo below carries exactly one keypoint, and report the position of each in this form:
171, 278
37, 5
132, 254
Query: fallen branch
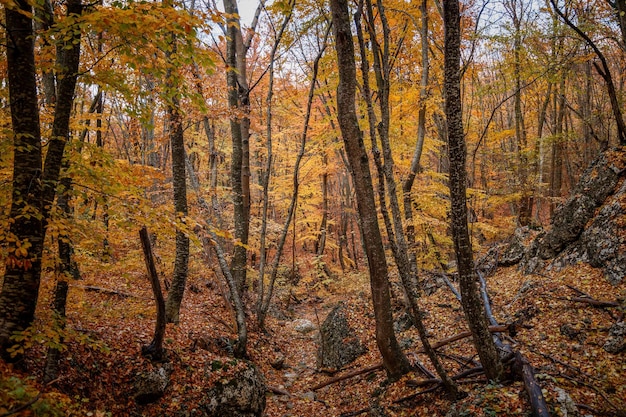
492, 329
379, 366
106, 291
349, 375
594, 302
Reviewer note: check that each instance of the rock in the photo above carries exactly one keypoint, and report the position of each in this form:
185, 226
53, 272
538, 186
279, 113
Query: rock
309, 395
403, 323
339, 344
616, 343
515, 250
303, 326
278, 361
567, 405
571, 332
588, 226
241, 396
149, 386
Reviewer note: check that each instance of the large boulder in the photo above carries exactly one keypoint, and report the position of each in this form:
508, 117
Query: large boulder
588, 227
242, 395
150, 385
339, 344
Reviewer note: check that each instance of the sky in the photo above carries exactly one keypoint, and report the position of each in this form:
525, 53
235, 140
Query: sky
246, 10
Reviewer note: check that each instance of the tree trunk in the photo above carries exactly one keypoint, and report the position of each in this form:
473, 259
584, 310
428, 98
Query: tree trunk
406, 269
394, 360
237, 91
181, 262
471, 300
421, 131
155, 349
33, 191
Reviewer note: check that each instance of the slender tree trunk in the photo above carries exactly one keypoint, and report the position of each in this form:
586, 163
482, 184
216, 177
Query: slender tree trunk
556, 162
394, 360
471, 300
177, 142
237, 91
406, 269
265, 297
407, 186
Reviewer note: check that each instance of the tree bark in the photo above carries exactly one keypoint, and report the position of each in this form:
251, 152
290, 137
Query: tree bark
394, 360
471, 300
177, 142
33, 190
155, 349
237, 98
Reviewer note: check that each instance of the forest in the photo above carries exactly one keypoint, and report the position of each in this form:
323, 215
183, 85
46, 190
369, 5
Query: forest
312, 208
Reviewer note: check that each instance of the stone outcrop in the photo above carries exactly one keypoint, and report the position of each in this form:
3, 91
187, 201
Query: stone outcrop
339, 344
590, 226
243, 395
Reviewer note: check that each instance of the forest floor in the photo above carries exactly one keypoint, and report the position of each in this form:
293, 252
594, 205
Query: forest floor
561, 338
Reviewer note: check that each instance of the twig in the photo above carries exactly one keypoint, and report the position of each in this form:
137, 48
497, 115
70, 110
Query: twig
577, 291
417, 394
356, 413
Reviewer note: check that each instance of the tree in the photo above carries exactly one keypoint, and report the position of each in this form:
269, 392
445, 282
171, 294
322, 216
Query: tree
238, 102
20, 288
177, 143
34, 187
394, 360
472, 303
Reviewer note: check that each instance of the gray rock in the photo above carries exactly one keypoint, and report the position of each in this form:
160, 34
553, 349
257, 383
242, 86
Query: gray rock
339, 344
149, 386
515, 250
568, 407
241, 396
588, 226
616, 343
303, 326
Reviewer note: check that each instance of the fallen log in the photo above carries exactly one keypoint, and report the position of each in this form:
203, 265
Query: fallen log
537, 402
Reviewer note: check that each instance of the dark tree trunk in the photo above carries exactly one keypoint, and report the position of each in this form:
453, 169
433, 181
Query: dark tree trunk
155, 349
394, 360
181, 262
33, 191
471, 300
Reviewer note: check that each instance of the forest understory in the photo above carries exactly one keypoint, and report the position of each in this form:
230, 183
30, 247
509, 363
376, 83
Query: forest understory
111, 315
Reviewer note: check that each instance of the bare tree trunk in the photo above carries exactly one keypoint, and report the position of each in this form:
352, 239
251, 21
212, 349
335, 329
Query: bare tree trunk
603, 69
237, 94
407, 186
264, 298
394, 360
177, 142
154, 350
471, 300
